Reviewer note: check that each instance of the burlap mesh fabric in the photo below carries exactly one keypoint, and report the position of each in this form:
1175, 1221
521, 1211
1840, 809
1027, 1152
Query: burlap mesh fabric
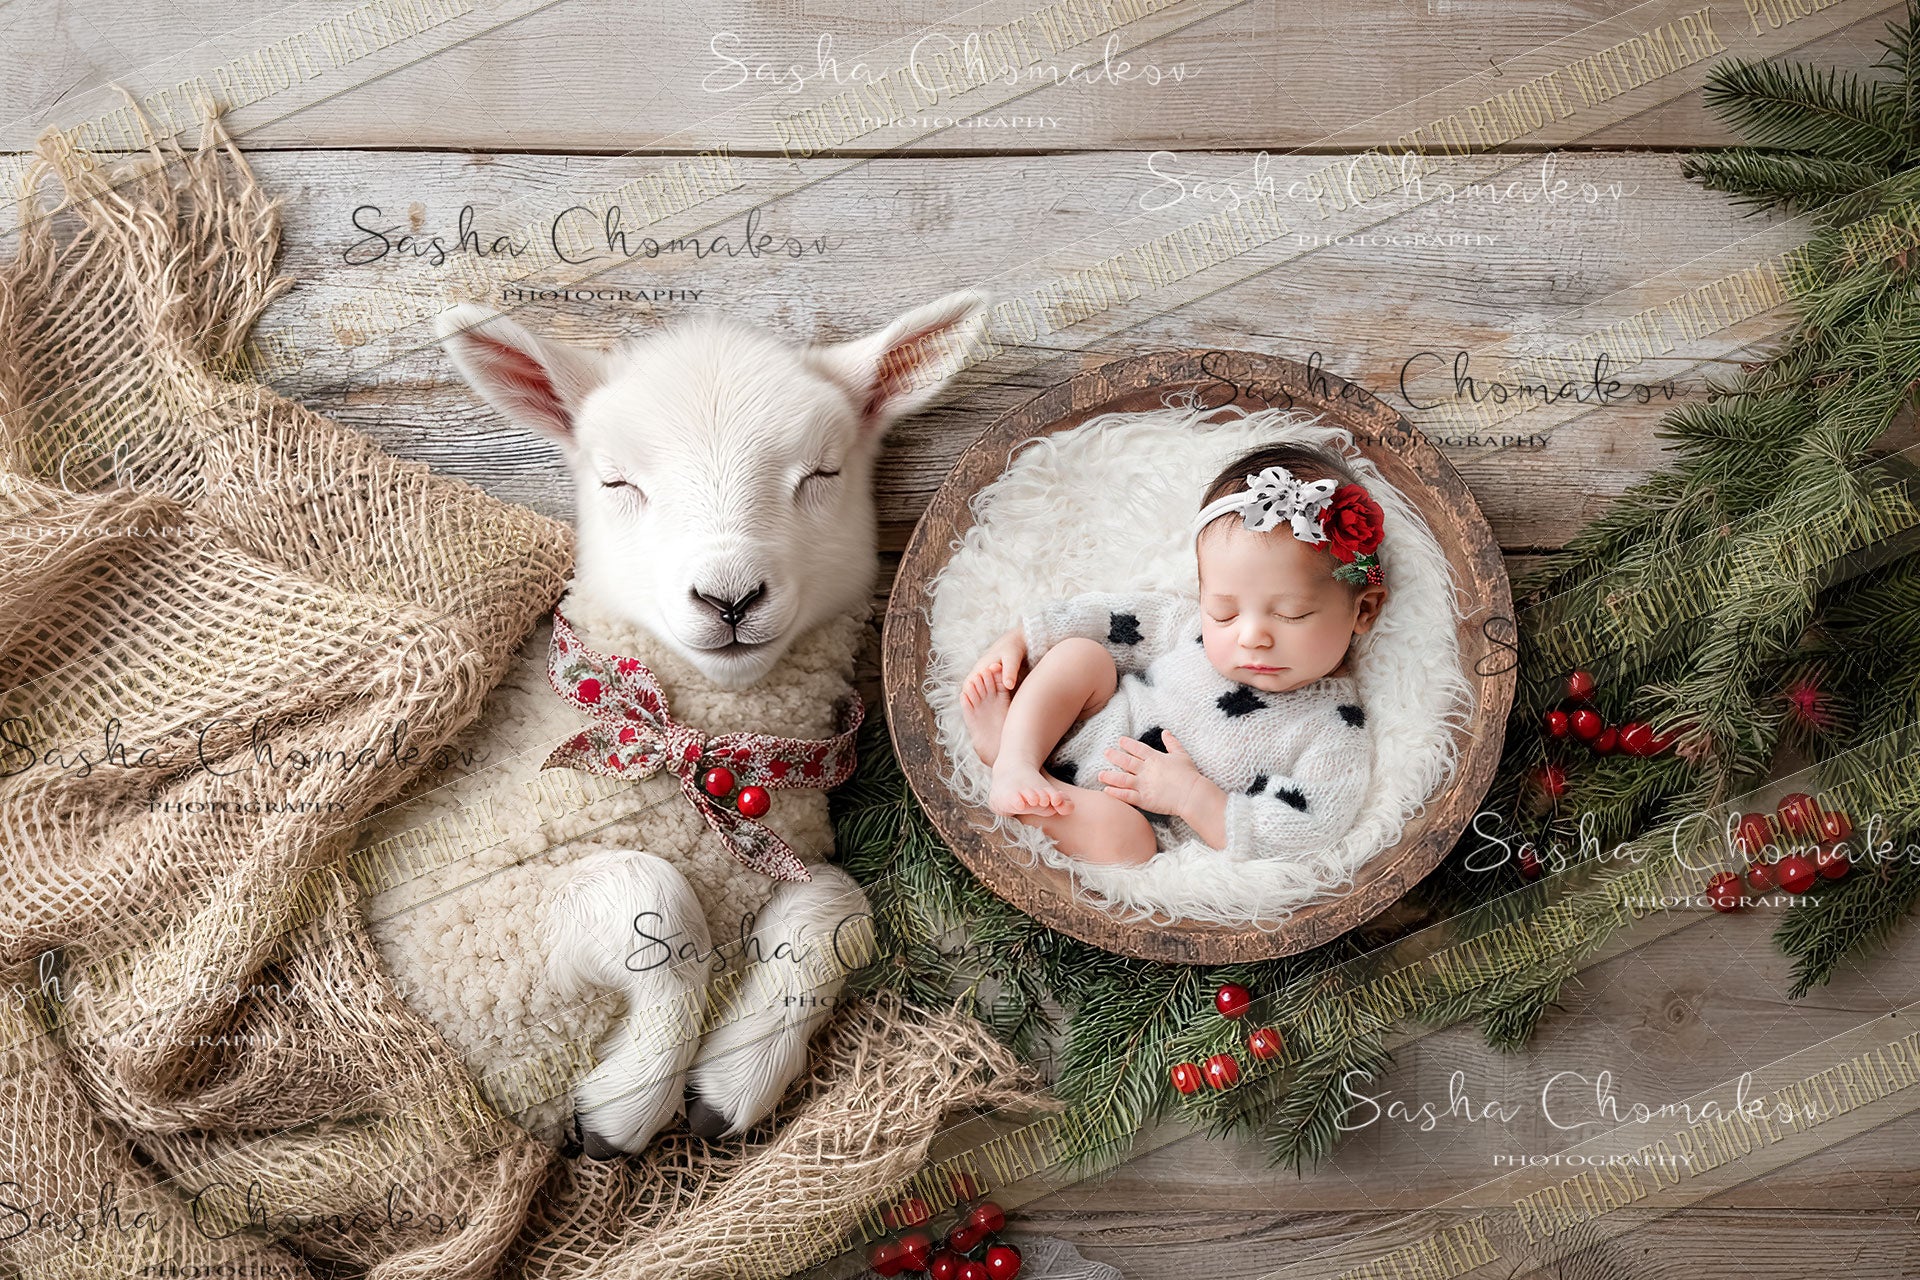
205, 1070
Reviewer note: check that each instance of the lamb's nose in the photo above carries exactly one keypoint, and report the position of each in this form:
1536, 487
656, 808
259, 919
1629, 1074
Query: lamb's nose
733, 612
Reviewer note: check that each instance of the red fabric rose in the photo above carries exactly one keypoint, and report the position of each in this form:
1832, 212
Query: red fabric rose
1352, 522
588, 691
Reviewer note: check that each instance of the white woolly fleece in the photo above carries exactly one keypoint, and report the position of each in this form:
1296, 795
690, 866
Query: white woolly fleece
464, 941
1105, 506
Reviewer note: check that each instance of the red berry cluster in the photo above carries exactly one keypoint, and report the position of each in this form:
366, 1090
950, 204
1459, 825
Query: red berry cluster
1575, 718
1222, 1070
970, 1250
1798, 816
752, 801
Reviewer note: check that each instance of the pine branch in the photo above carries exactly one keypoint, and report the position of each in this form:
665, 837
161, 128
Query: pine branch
1847, 920
1783, 104
1764, 180
1307, 1123
1903, 60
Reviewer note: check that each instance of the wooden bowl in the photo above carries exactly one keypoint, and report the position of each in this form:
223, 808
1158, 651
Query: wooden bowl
1250, 381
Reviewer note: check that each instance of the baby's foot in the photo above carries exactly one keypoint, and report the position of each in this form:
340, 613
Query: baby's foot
986, 714
1019, 788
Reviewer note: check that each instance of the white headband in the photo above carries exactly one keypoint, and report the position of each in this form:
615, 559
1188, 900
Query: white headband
1270, 497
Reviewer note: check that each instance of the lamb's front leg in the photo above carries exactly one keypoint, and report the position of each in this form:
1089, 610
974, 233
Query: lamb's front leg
629, 922
805, 941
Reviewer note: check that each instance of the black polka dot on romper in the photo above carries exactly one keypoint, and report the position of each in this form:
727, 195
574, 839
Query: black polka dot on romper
1352, 714
1065, 770
1241, 701
1156, 738
1123, 628
1292, 797
1258, 785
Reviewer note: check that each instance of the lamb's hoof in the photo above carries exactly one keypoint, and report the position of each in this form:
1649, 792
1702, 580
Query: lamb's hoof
704, 1120
595, 1146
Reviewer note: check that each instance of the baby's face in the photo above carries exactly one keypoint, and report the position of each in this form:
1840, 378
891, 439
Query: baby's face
1272, 615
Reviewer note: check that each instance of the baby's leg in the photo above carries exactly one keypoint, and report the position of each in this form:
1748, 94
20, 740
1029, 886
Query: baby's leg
1071, 679
1098, 828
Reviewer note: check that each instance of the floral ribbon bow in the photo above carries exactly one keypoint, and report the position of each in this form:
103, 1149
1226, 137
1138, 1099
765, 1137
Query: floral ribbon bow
1343, 516
636, 737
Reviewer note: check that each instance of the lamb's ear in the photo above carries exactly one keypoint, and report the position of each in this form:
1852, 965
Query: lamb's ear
900, 369
535, 382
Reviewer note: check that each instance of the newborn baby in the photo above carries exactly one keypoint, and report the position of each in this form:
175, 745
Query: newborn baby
1233, 718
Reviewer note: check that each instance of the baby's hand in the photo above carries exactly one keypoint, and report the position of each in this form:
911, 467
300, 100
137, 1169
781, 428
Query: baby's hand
1157, 781
999, 665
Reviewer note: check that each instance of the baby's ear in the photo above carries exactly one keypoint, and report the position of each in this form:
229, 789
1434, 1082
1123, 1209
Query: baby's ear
1372, 599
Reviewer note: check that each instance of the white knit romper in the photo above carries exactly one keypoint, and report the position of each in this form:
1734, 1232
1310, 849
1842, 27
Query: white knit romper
1294, 765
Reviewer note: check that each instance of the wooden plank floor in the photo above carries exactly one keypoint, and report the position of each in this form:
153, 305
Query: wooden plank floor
510, 113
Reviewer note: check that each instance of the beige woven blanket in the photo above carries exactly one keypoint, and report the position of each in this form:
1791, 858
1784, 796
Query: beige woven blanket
230, 631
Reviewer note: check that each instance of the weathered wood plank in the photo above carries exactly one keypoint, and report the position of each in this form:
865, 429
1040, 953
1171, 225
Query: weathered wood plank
612, 76
1687, 1013
1780, 1241
1486, 269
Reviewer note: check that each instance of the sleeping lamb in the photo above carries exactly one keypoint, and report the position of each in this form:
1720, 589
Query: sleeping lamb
726, 539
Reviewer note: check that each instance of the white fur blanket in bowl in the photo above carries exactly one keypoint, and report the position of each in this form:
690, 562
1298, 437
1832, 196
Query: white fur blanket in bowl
1104, 506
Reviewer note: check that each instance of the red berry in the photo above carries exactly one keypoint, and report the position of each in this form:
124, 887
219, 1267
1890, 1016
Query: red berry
987, 1218
1636, 739
888, 1258
1003, 1262
1798, 814
754, 801
1754, 833
918, 1248
1186, 1077
1557, 723
1834, 824
1264, 1044
1723, 891
1579, 685
1232, 1000
717, 781
1607, 742
1586, 724
1661, 741
1222, 1071
975, 1271
944, 1265
1796, 873
965, 1238
1760, 876
1551, 779
1830, 860
1529, 862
